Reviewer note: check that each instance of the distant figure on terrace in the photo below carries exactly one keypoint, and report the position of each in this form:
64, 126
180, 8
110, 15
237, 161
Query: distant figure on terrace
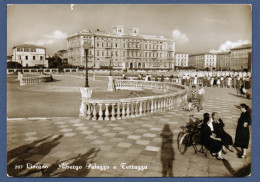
162, 78
195, 82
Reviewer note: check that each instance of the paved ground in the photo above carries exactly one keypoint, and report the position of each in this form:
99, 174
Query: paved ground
76, 142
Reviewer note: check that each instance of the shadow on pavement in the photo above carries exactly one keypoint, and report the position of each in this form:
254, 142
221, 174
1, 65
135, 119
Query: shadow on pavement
242, 172
167, 151
18, 159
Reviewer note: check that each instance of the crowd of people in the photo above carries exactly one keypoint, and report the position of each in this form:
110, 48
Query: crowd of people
215, 81
216, 140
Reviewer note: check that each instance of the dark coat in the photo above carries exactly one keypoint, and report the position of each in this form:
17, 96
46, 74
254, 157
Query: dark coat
221, 133
242, 133
214, 146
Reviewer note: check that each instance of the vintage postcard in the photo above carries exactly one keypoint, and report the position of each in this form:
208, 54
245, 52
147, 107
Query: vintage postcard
129, 90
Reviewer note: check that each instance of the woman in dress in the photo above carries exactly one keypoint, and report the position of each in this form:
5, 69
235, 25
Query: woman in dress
193, 96
218, 126
242, 132
208, 139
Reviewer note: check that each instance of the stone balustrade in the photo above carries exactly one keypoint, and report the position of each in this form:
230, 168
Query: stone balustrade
134, 107
35, 80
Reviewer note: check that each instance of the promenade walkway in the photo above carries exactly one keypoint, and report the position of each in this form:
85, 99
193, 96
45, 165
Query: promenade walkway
135, 142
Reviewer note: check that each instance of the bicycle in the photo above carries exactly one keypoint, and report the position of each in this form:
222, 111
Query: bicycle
190, 136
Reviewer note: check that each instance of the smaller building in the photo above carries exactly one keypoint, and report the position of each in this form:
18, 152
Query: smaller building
203, 61
181, 60
30, 55
223, 61
240, 57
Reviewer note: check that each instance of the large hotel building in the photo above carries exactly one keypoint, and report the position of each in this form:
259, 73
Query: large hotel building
120, 50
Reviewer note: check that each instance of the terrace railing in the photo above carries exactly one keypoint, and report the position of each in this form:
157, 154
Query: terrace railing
35, 79
173, 96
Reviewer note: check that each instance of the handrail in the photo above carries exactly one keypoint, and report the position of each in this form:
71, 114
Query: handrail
35, 80
112, 109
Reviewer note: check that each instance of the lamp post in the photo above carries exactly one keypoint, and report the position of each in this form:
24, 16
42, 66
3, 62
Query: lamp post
86, 92
86, 47
22, 66
110, 68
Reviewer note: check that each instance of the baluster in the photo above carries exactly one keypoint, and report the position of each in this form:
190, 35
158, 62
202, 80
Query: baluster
107, 112
148, 106
128, 110
94, 112
152, 109
100, 113
88, 111
155, 105
118, 111
123, 111
113, 112
141, 108
136, 109
159, 105
145, 108
162, 104
132, 110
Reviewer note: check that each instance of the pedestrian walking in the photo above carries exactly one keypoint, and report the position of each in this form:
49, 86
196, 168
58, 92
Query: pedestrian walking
201, 93
195, 81
221, 81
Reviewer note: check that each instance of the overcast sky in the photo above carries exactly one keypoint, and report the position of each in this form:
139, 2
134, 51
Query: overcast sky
194, 28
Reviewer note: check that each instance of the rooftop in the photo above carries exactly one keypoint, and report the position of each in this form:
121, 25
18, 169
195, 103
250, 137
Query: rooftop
245, 46
28, 46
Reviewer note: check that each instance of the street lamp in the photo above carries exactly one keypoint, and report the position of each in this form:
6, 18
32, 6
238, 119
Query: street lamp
22, 66
86, 47
110, 67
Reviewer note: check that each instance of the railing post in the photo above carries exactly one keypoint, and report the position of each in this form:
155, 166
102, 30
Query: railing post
141, 108
152, 102
94, 112
132, 110
145, 108
88, 111
118, 111
155, 105
162, 104
128, 110
123, 111
113, 112
107, 112
100, 113
136, 108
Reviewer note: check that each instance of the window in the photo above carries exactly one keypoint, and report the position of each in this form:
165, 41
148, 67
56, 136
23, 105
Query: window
41, 57
26, 57
26, 49
33, 57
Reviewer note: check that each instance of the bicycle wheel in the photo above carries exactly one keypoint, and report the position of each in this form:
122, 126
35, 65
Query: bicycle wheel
182, 141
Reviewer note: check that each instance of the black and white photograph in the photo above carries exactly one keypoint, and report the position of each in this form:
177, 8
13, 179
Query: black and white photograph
128, 90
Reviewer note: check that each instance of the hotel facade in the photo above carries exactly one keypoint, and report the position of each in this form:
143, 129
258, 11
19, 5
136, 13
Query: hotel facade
120, 50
